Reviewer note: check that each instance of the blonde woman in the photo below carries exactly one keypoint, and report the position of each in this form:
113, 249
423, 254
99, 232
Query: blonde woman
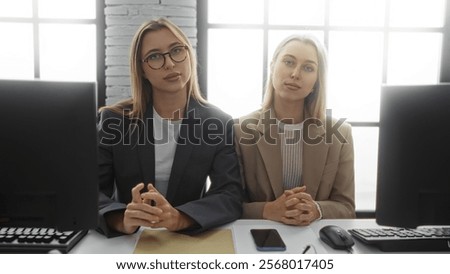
296, 163
155, 148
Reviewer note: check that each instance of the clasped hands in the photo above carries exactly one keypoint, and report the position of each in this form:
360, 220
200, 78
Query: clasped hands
293, 207
151, 209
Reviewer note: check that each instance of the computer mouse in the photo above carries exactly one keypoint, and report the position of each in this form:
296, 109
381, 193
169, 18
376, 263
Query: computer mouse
336, 237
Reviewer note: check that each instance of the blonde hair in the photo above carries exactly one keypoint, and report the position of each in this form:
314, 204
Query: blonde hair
141, 89
315, 102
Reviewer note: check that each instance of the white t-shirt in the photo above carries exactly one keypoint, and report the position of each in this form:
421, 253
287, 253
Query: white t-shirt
165, 133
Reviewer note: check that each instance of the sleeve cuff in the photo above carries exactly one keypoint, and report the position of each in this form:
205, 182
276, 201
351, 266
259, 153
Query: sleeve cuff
320, 211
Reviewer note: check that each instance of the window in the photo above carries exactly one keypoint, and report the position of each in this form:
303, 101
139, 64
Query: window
369, 43
58, 40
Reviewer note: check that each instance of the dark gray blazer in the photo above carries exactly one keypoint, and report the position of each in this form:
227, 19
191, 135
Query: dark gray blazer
205, 148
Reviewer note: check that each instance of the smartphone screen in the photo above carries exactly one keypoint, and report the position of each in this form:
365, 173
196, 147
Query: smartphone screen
268, 240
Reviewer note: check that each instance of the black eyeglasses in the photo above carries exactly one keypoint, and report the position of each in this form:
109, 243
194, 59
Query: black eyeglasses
157, 60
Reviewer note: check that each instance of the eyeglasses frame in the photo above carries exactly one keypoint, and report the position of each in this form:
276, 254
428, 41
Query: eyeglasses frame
164, 56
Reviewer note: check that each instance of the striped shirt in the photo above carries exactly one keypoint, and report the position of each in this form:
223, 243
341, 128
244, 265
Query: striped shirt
291, 154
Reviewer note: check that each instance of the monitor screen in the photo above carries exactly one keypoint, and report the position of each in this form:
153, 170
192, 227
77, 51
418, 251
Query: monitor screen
48, 154
413, 185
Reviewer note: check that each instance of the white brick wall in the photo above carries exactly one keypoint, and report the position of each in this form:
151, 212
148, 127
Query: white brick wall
123, 17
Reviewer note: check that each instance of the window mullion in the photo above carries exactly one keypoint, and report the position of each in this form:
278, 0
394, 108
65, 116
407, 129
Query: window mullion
326, 26
445, 55
35, 17
265, 45
386, 42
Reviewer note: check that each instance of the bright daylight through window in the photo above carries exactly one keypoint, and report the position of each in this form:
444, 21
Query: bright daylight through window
369, 43
48, 40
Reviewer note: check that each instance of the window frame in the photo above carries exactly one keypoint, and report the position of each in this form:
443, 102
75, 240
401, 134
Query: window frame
100, 24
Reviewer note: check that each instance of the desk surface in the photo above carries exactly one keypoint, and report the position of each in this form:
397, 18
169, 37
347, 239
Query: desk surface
296, 238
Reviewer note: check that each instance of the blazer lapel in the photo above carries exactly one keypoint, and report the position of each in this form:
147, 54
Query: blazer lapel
314, 158
188, 138
270, 149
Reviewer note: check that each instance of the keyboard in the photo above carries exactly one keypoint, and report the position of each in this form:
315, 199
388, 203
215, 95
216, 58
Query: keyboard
38, 240
405, 239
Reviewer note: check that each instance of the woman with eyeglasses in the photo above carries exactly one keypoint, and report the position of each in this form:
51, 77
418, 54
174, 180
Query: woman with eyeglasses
297, 164
158, 147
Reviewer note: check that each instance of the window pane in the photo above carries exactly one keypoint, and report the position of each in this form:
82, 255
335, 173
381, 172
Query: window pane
354, 75
235, 70
296, 12
79, 9
276, 36
16, 8
357, 12
414, 58
16, 51
236, 11
365, 141
417, 13
68, 52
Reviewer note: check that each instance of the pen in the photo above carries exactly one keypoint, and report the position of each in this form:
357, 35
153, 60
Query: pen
306, 249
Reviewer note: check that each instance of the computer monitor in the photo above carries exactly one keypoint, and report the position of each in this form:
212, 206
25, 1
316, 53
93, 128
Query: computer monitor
48, 154
413, 187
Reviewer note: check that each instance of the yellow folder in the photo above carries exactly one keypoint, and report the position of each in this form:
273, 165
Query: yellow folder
217, 241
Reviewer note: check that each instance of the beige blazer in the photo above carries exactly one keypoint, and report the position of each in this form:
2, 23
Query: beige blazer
328, 169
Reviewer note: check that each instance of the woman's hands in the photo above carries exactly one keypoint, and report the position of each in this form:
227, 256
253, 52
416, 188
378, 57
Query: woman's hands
149, 209
164, 214
293, 207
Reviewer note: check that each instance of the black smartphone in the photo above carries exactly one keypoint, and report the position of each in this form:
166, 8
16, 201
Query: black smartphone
268, 240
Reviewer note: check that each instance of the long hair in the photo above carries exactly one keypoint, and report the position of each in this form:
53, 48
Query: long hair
315, 102
141, 89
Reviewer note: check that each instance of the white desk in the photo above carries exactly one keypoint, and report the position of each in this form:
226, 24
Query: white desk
296, 238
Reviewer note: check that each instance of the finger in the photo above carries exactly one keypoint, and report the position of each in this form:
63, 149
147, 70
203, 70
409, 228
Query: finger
305, 206
298, 196
295, 190
303, 196
288, 192
166, 220
145, 208
299, 189
142, 222
292, 213
290, 221
156, 197
297, 221
304, 223
151, 188
163, 223
291, 202
306, 218
136, 193
133, 217
311, 209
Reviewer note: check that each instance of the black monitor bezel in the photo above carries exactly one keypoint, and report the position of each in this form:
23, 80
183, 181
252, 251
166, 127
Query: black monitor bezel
413, 185
48, 167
